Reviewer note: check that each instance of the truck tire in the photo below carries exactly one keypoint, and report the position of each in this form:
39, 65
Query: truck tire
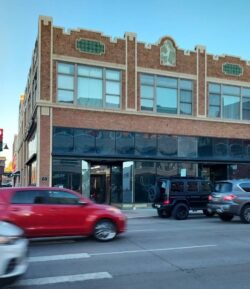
181, 211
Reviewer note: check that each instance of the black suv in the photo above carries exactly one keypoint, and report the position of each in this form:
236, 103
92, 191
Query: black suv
177, 195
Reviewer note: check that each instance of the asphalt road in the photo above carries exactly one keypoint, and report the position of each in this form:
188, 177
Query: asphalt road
154, 253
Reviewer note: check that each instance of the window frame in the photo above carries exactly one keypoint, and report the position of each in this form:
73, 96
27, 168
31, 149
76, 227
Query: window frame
103, 79
177, 87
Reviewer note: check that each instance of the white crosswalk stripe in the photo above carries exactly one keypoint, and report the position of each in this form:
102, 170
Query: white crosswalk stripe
59, 257
63, 279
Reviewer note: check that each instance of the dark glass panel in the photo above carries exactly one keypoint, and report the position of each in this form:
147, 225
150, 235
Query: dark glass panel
187, 147
205, 147
145, 177
105, 142
63, 140
84, 140
145, 144
167, 145
220, 148
167, 169
235, 148
116, 184
246, 148
125, 143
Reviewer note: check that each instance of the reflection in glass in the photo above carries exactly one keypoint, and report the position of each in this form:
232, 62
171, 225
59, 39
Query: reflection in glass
85, 179
231, 107
187, 146
220, 147
116, 184
84, 141
128, 182
125, 143
89, 92
145, 144
63, 140
167, 145
145, 177
105, 142
166, 100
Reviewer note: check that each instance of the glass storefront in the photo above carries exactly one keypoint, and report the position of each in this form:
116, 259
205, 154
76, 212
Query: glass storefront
122, 167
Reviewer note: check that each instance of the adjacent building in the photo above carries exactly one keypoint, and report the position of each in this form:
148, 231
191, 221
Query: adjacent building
107, 116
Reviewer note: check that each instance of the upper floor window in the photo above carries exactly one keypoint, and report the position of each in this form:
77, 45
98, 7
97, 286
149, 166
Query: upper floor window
229, 102
166, 94
88, 86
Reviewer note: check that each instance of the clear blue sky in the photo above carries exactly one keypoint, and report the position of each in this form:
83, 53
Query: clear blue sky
221, 25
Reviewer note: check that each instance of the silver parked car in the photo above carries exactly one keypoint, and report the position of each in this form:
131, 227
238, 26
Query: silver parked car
231, 198
13, 253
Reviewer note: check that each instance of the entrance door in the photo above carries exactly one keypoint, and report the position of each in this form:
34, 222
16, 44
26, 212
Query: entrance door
214, 172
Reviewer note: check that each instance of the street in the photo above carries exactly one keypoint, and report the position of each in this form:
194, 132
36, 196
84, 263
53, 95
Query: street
155, 253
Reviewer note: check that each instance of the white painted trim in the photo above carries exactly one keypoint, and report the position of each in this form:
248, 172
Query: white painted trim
88, 61
136, 81
166, 73
226, 81
58, 257
38, 145
205, 84
197, 83
126, 73
50, 146
140, 113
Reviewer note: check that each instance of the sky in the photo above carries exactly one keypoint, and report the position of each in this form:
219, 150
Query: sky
220, 25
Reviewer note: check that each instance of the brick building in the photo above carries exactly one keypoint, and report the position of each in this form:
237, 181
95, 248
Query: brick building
107, 116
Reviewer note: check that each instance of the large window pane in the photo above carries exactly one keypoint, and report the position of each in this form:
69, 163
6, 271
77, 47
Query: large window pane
214, 111
89, 71
231, 107
246, 108
186, 96
89, 92
125, 143
145, 144
245, 91
147, 104
186, 84
167, 145
215, 88
105, 143
147, 91
214, 99
63, 140
65, 82
112, 74
65, 96
112, 87
166, 81
186, 108
187, 146
65, 68
166, 100
84, 141
112, 101
229, 89
147, 79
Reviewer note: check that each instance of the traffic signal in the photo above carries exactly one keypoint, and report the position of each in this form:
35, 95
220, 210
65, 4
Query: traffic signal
1, 139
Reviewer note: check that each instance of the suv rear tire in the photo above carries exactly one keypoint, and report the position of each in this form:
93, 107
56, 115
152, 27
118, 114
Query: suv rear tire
226, 217
245, 214
181, 211
163, 213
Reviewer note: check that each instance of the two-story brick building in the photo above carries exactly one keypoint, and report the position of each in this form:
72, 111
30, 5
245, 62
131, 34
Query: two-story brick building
106, 116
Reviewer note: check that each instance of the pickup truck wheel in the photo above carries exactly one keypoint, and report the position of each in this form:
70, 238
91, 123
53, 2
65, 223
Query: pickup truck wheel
245, 214
105, 230
226, 217
163, 214
181, 211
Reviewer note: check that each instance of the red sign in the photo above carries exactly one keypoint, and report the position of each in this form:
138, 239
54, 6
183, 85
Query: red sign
1, 134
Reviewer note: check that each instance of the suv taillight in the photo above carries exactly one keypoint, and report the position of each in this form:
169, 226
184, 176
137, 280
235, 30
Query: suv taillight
166, 202
210, 198
229, 197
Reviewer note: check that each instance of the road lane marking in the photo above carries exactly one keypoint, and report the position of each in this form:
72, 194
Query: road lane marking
63, 279
153, 250
58, 257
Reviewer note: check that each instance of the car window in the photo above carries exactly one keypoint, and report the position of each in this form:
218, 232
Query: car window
206, 187
223, 187
177, 187
192, 186
62, 198
245, 186
29, 197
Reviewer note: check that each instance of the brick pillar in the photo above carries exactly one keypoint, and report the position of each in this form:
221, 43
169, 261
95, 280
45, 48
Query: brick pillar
201, 90
131, 71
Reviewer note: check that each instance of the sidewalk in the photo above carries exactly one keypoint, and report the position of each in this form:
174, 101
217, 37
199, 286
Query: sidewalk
140, 213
